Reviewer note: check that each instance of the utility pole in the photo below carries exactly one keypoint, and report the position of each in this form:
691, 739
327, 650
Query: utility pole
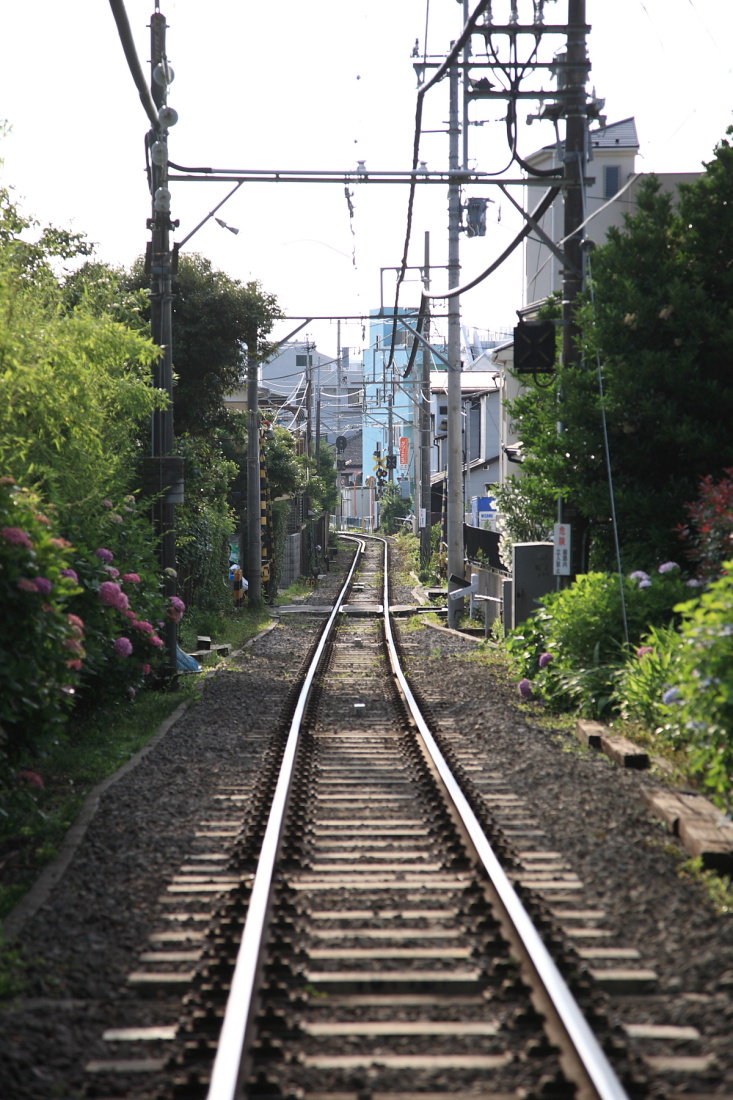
573, 171
454, 503
425, 489
254, 506
164, 471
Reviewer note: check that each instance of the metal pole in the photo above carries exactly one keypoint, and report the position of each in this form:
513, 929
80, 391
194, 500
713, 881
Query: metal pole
454, 501
254, 531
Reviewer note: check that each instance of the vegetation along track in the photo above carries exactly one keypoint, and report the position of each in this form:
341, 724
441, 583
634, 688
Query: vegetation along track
385, 951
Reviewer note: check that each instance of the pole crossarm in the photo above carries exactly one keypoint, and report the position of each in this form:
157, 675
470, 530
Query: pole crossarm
425, 343
546, 239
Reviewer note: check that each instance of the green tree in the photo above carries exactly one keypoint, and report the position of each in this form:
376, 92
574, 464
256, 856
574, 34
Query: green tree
215, 317
658, 324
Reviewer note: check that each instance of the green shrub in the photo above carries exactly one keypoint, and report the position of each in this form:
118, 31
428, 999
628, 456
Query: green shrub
572, 647
702, 696
648, 673
40, 646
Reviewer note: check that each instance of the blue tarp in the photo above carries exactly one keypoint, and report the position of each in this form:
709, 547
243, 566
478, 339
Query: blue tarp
186, 663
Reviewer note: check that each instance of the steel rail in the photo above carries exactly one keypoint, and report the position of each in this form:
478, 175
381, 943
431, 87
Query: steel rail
232, 1045
598, 1071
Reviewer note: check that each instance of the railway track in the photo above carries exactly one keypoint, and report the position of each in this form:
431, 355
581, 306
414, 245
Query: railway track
388, 948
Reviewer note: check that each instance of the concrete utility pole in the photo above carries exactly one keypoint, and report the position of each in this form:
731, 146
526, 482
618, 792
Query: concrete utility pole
425, 489
164, 471
454, 503
254, 528
573, 171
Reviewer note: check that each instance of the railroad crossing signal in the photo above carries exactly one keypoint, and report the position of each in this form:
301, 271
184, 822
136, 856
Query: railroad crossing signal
380, 463
381, 474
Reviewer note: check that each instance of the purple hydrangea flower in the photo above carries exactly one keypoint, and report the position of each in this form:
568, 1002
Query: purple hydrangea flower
70, 573
123, 647
638, 575
668, 567
43, 585
524, 687
644, 649
544, 660
671, 695
105, 556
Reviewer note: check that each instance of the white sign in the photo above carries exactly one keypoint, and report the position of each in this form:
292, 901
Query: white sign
423, 520
561, 534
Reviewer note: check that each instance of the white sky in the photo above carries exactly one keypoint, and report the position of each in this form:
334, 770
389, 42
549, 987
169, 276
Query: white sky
321, 85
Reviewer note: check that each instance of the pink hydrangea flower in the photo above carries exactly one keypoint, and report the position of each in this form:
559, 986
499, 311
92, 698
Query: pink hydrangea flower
107, 504
131, 578
70, 573
40, 518
31, 777
16, 537
145, 627
75, 664
123, 647
112, 571
25, 584
145, 669
156, 641
643, 649
112, 595
75, 622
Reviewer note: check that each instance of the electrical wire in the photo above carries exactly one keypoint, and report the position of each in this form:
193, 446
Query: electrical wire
542, 207
133, 61
422, 91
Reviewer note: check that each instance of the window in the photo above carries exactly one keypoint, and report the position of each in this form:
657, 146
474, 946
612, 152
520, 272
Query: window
304, 360
611, 180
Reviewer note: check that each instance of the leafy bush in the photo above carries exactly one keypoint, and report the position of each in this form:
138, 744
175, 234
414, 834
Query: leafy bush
703, 709
40, 643
709, 533
120, 601
572, 648
650, 672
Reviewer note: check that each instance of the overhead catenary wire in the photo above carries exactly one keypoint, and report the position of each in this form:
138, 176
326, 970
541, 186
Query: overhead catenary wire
128, 45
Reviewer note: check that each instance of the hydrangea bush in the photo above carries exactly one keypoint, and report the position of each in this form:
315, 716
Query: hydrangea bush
571, 649
700, 697
120, 599
42, 644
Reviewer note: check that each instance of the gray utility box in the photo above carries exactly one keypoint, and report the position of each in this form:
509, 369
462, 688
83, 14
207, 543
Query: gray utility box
532, 577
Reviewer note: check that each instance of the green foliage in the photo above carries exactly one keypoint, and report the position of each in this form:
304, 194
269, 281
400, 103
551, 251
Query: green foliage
321, 486
38, 642
649, 672
704, 710
203, 525
392, 506
71, 402
581, 630
215, 318
660, 312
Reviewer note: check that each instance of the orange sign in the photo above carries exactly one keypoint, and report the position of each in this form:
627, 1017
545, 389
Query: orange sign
404, 444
